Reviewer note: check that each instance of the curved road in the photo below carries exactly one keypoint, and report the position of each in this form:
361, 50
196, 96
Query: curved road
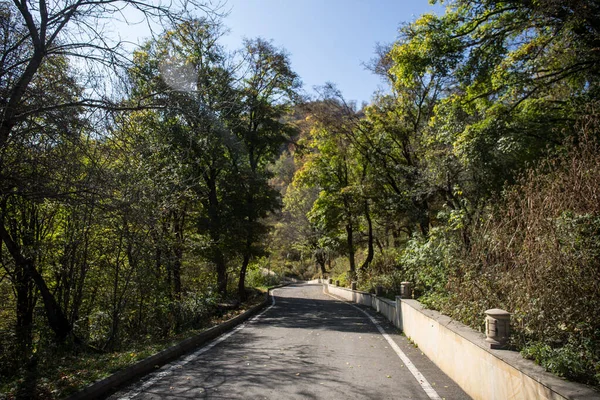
308, 345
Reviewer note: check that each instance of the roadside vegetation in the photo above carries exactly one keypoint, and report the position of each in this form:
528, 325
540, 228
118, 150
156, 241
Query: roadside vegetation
474, 176
144, 191
134, 183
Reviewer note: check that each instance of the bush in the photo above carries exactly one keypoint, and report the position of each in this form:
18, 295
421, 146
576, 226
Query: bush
260, 276
426, 262
575, 360
537, 255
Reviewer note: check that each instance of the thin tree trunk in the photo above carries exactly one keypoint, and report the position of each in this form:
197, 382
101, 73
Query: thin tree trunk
424, 218
242, 281
350, 241
350, 237
322, 266
221, 267
370, 250
56, 317
178, 251
25, 305
215, 232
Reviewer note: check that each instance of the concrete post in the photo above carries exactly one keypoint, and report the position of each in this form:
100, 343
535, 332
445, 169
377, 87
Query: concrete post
497, 328
399, 324
406, 290
353, 285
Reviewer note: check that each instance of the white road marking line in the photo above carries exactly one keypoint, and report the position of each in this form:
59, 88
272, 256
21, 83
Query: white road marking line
429, 390
155, 376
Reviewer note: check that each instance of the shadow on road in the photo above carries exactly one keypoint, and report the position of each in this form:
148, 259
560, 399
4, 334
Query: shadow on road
246, 368
292, 311
257, 363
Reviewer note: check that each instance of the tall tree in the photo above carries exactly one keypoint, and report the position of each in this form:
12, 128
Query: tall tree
269, 89
190, 70
330, 166
39, 38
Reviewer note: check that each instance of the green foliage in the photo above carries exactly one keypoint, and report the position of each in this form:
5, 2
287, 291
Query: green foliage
425, 262
260, 275
474, 177
575, 360
126, 229
384, 271
542, 239
457, 179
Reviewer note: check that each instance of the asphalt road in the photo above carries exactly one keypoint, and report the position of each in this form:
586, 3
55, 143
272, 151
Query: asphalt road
308, 345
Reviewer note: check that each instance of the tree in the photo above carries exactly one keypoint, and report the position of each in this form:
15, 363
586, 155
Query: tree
331, 167
514, 75
30, 175
36, 32
190, 70
39, 40
268, 91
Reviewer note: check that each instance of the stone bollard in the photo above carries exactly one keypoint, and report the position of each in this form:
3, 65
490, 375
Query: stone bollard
399, 321
497, 328
337, 283
378, 290
406, 290
353, 285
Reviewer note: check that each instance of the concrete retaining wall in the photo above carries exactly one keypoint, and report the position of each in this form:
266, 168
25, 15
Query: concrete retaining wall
464, 356
387, 308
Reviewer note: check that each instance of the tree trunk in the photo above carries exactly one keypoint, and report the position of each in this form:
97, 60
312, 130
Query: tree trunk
242, 282
168, 264
370, 251
83, 267
350, 241
424, 219
321, 259
56, 317
25, 305
350, 237
322, 266
13, 99
215, 232
219, 261
178, 227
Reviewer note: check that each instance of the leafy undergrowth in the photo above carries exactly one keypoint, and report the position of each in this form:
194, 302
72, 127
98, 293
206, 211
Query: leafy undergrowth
61, 371
577, 360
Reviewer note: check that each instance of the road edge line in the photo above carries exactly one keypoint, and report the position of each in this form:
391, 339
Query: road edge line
425, 385
209, 345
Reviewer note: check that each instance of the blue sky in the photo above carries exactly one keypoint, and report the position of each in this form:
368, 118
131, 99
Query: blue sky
327, 39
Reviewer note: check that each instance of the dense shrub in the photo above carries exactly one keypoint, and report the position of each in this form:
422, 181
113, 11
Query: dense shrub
426, 262
259, 275
537, 255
